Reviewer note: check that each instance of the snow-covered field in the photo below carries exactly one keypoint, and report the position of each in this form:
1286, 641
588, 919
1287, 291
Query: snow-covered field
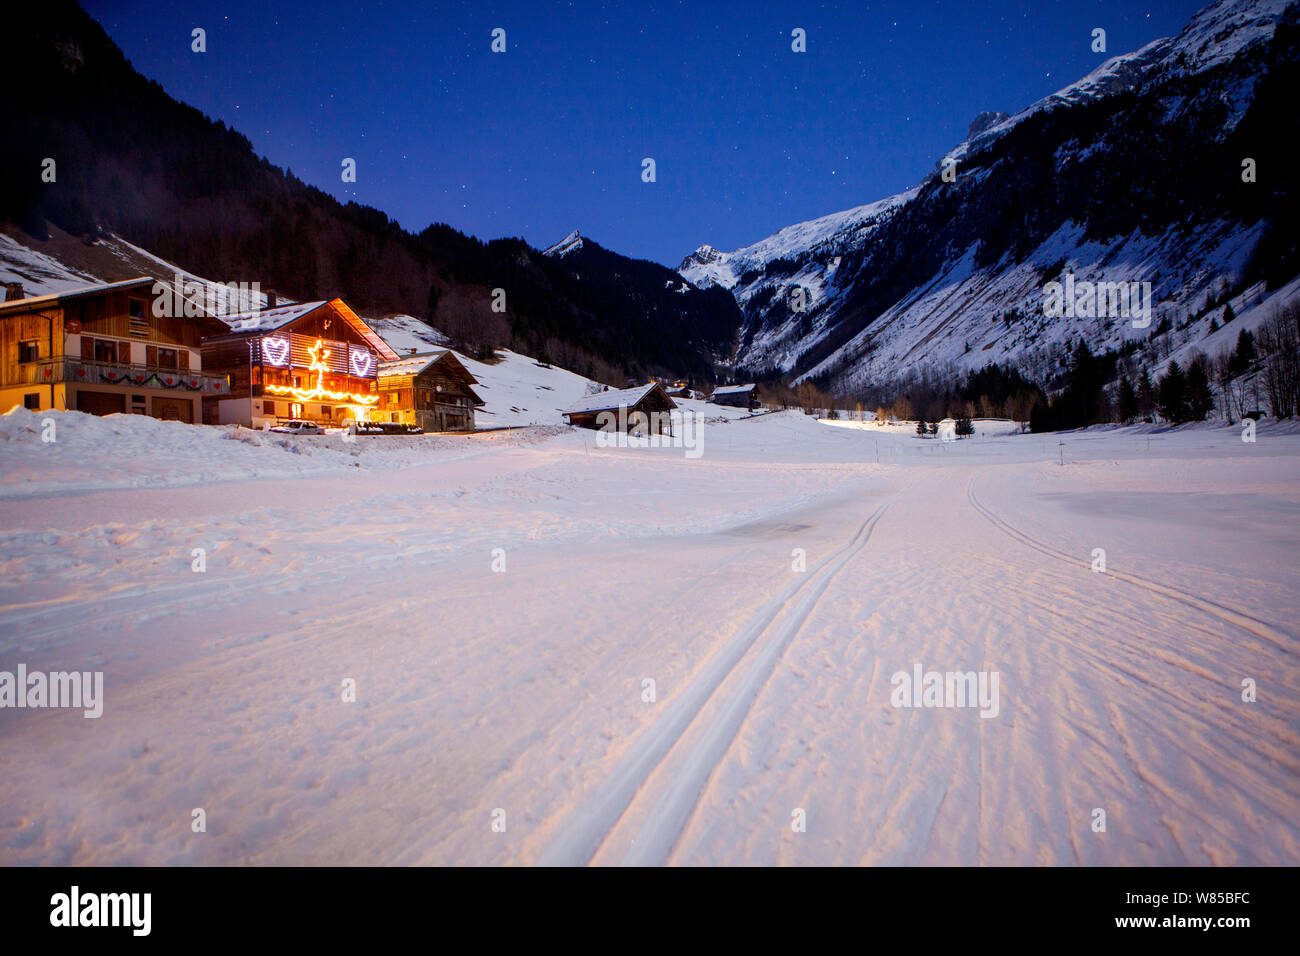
501, 601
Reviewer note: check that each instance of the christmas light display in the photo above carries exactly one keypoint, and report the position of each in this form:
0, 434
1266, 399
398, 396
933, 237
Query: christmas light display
319, 391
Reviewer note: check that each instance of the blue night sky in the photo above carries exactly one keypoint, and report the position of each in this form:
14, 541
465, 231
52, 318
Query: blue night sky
747, 135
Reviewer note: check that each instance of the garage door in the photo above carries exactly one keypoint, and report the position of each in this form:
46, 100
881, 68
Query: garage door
173, 410
100, 403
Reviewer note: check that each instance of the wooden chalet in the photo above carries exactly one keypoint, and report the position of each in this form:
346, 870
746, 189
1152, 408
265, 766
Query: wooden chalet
622, 402
737, 396
429, 389
308, 361
101, 349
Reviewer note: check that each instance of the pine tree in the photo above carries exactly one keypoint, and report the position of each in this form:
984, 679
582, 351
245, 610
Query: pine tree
920, 427
1199, 397
1146, 395
1245, 353
965, 427
1173, 395
1128, 401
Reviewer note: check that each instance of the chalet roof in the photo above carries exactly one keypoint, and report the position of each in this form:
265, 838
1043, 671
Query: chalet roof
411, 364
269, 320
733, 389
414, 365
614, 398
36, 301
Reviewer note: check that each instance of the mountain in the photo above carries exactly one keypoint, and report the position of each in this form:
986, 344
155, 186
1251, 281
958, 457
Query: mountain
1134, 173
136, 165
697, 321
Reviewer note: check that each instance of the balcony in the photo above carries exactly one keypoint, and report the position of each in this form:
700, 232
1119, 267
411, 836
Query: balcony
75, 371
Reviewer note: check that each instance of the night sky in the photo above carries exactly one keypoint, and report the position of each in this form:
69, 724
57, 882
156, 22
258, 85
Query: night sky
748, 136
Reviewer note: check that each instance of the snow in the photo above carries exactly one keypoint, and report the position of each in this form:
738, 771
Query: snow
610, 398
268, 320
413, 365
39, 274
570, 243
406, 333
522, 690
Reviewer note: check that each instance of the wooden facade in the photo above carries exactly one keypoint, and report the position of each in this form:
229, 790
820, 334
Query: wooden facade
314, 361
101, 349
430, 389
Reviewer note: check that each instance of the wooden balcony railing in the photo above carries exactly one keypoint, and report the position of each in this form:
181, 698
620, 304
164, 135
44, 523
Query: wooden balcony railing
75, 371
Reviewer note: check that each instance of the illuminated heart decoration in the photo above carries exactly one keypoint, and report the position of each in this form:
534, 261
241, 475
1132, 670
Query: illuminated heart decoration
81, 373
277, 350
360, 363
193, 384
47, 373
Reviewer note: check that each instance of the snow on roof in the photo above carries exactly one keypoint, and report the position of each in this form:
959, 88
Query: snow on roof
733, 389
37, 300
611, 399
268, 320
411, 364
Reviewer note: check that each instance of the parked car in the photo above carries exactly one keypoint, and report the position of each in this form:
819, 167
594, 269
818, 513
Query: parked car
387, 428
298, 428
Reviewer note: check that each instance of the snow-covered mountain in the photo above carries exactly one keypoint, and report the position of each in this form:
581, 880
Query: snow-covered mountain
1133, 173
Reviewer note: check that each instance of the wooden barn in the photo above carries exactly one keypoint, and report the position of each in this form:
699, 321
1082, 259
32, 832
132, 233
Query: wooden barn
429, 389
616, 407
101, 349
309, 361
737, 396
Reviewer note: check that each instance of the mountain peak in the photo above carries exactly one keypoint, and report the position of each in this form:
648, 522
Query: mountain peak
570, 243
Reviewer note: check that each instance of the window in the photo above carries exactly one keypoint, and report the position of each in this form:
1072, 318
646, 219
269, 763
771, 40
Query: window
268, 408
32, 400
28, 352
136, 323
324, 411
105, 351
167, 358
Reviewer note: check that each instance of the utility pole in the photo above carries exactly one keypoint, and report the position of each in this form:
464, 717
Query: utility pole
1062, 446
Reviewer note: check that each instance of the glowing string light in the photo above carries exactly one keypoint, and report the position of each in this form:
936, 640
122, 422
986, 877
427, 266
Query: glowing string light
319, 391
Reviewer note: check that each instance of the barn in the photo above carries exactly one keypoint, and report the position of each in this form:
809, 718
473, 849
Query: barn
644, 409
429, 389
737, 396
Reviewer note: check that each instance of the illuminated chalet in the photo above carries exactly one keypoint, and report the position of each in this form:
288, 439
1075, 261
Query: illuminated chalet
312, 361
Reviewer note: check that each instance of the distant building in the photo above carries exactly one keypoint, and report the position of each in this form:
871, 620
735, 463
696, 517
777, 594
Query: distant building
101, 349
429, 389
312, 361
738, 396
643, 409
